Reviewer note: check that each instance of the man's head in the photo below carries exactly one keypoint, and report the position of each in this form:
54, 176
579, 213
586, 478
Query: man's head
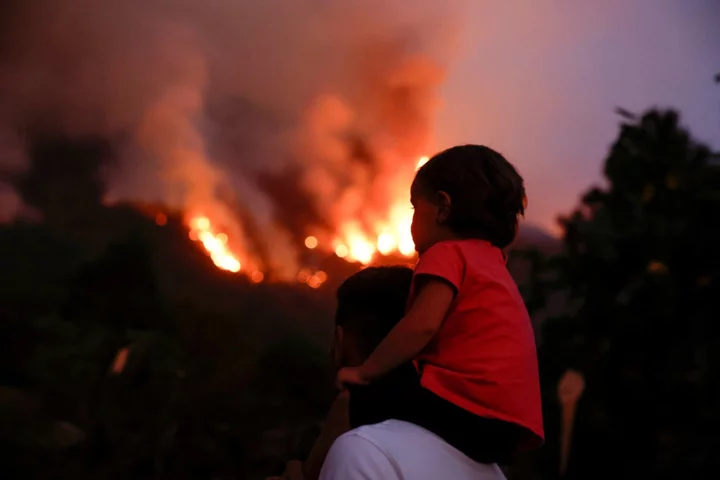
370, 304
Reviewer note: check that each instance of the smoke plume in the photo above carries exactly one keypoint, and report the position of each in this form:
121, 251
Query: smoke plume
274, 119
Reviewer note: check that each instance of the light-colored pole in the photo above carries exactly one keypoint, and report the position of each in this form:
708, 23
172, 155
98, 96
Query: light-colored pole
570, 389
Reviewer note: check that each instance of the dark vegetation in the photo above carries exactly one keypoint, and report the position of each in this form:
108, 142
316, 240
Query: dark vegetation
631, 303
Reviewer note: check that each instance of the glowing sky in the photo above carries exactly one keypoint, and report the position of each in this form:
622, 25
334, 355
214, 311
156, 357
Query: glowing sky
539, 81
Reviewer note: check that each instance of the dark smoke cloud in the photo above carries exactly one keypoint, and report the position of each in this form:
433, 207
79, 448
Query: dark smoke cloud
202, 97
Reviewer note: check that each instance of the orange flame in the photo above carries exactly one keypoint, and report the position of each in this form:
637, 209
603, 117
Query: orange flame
389, 236
352, 242
215, 244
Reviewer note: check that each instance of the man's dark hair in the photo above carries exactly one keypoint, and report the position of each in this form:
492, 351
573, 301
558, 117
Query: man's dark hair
372, 302
486, 192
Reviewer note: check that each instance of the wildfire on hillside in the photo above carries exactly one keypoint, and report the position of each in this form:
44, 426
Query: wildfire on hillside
280, 166
351, 242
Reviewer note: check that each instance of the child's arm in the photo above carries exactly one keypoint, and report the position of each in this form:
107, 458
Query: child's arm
407, 339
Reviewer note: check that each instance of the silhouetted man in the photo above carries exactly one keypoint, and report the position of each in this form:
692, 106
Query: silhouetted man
378, 446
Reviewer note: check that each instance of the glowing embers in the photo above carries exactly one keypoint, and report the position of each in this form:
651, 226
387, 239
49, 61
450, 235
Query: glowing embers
311, 242
312, 279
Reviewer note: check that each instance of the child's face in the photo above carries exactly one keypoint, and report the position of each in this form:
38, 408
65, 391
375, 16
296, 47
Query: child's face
426, 227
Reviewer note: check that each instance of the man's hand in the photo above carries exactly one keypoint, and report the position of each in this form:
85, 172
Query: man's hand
351, 376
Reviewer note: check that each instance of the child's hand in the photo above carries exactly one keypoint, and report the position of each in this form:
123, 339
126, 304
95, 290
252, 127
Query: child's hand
351, 376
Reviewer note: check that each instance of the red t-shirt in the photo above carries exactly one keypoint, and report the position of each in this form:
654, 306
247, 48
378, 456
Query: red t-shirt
483, 358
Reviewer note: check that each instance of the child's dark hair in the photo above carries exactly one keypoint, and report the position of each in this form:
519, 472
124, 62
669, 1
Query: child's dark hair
486, 192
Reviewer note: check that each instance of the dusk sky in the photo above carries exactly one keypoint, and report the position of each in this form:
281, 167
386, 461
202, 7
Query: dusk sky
539, 81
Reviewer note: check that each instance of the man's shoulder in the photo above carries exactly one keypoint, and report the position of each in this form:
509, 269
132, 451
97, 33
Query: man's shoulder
370, 448
397, 449
354, 441
388, 427
378, 435
354, 454
394, 438
380, 438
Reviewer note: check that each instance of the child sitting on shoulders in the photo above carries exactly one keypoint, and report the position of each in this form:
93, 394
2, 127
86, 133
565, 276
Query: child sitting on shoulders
466, 328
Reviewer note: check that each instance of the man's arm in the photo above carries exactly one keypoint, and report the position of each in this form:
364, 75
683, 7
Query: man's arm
336, 423
352, 457
407, 339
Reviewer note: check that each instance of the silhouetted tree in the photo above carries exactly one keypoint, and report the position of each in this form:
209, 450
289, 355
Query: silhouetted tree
640, 270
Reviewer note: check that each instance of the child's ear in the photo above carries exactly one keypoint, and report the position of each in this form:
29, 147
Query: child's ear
444, 205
